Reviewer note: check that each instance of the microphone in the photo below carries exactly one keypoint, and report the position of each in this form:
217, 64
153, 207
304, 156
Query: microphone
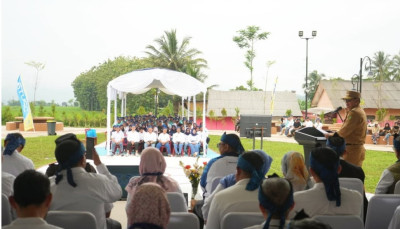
337, 110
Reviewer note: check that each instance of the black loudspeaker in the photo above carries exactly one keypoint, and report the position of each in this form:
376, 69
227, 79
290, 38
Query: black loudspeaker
249, 122
90, 142
124, 173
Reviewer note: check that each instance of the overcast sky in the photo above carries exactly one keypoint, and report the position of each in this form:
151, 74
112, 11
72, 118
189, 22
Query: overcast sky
72, 36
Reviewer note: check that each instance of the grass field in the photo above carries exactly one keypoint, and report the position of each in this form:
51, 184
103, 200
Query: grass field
41, 151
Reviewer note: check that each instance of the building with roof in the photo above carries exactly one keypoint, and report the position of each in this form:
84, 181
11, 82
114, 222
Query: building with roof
249, 103
329, 93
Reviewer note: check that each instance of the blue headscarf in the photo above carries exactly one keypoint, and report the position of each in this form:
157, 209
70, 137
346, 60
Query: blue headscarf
334, 143
230, 179
13, 142
75, 158
233, 142
329, 178
396, 143
266, 203
256, 174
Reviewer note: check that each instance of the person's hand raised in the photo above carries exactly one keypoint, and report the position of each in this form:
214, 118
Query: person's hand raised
96, 158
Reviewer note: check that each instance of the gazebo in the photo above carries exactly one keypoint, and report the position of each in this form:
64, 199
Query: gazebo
140, 81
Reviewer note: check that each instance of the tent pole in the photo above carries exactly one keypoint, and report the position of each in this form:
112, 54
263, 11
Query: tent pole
115, 109
122, 105
125, 105
108, 120
182, 112
188, 108
204, 124
194, 109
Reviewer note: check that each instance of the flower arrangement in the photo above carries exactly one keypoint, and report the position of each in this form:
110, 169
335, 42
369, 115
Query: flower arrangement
194, 174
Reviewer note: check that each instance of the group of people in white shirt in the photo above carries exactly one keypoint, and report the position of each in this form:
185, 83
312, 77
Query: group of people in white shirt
290, 124
171, 139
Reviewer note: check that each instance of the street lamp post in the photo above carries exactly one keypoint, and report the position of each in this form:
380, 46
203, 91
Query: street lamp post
361, 70
314, 34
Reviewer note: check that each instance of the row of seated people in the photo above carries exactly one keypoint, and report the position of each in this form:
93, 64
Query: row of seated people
74, 189
173, 140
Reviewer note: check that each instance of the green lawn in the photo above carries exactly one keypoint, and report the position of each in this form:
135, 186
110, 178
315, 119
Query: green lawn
374, 164
41, 151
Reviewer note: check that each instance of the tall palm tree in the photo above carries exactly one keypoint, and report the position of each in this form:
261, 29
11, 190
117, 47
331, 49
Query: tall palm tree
396, 67
174, 55
313, 82
381, 66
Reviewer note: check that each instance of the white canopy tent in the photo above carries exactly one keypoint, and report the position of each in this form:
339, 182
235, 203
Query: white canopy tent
140, 81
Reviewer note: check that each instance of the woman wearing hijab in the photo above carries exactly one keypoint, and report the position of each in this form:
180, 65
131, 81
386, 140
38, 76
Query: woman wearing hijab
13, 161
230, 180
194, 143
187, 134
150, 208
294, 169
152, 167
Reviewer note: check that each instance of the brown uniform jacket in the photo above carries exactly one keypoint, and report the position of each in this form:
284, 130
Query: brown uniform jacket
354, 127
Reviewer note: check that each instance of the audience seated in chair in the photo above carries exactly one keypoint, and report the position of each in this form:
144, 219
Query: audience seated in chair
133, 138
179, 140
150, 138
152, 167
230, 180
241, 197
390, 175
276, 200
31, 200
194, 143
295, 170
163, 140
117, 138
13, 162
338, 144
150, 208
326, 197
75, 189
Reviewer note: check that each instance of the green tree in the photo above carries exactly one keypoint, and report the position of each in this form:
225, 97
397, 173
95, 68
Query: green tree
53, 109
6, 115
173, 55
381, 66
39, 67
141, 111
396, 67
313, 81
246, 39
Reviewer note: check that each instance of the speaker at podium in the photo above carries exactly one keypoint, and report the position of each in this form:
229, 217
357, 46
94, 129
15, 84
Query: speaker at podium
310, 138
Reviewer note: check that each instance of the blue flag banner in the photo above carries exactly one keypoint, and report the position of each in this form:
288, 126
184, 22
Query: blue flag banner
26, 110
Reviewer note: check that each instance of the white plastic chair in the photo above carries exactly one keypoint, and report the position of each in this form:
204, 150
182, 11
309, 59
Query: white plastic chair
354, 184
214, 183
397, 188
395, 222
72, 219
241, 220
177, 202
380, 210
183, 220
6, 217
341, 221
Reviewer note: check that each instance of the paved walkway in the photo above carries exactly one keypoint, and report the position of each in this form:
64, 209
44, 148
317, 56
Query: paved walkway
273, 138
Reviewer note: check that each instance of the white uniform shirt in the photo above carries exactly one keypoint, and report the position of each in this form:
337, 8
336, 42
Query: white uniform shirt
31, 223
203, 135
314, 202
141, 136
194, 139
308, 123
179, 137
150, 137
385, 182
220, 168
233, 199
133, 136
318, 125
164, 137
7, 183
117, 136
91, 193
16, 163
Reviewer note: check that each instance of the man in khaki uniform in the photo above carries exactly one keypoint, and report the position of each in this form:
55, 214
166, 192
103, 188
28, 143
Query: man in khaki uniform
354, 129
